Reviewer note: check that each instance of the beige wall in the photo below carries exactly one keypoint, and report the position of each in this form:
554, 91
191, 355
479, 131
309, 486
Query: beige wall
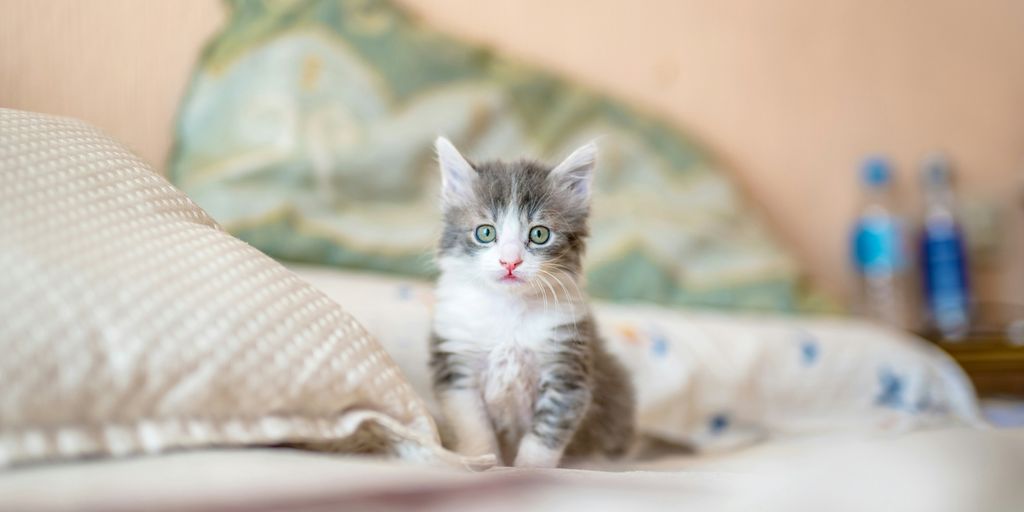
120, 64
789, 93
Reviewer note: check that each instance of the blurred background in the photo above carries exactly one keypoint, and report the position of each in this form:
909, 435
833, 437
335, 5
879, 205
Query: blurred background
789, 96
795, 156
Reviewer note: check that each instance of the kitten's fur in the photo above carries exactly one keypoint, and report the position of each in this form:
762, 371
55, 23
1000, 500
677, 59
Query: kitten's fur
517, 364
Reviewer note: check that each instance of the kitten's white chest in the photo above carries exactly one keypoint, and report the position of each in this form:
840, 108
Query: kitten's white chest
509, 386
508, 339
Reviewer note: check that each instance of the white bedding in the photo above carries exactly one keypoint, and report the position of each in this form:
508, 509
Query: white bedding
894, 458
949, 470
716, 380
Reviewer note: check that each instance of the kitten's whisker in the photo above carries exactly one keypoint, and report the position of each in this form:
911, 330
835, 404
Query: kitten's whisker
565, 290
569, 274
554, 295
543, 294
560, 270
571, 277
575, 328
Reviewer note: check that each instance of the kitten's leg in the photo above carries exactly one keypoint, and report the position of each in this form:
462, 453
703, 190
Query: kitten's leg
562, 401
466, 414
461, 403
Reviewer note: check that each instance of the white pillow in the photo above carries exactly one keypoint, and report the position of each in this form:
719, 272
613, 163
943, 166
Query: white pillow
130, 322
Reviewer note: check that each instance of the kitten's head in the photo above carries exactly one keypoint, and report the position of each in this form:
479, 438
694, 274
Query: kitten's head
514, 225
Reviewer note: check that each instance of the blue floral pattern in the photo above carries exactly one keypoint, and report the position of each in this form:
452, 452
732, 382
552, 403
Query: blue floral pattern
890, 393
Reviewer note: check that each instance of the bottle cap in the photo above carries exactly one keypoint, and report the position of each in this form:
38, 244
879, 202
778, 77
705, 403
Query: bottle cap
936, 170
875, 172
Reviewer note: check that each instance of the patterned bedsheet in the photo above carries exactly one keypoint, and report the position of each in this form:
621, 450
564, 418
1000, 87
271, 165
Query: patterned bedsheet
718, 380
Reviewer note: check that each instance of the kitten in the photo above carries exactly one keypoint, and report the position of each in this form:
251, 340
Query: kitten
518, 367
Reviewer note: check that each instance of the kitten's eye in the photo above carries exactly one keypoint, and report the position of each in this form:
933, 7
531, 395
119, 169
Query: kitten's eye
485, 233
540, 235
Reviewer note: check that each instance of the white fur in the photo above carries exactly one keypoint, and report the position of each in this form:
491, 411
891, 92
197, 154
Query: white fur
534, 454
508, 333
466, 414
510, 242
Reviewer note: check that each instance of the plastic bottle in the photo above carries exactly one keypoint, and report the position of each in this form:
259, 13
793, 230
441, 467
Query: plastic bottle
879, 249
944, 271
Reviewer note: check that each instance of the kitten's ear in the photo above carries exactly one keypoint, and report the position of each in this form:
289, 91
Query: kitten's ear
457, 174
577, 171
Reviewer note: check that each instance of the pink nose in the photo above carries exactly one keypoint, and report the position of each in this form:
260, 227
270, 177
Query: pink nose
510, 265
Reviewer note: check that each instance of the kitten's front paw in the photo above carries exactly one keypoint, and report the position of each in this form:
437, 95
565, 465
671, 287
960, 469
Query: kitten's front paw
534, 454
475, 447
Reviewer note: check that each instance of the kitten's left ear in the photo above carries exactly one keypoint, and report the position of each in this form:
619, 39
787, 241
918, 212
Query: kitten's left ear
577, 171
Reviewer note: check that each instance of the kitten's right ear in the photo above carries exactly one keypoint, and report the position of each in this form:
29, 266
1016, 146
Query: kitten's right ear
457, 174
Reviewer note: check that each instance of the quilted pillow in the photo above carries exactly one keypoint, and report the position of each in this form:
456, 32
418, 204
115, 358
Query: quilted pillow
307, 132
132, 323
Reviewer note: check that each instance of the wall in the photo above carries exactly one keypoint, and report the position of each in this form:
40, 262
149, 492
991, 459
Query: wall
790, 93
120, 64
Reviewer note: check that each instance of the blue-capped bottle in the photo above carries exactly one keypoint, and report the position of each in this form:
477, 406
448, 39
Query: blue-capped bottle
944, 270
879, 249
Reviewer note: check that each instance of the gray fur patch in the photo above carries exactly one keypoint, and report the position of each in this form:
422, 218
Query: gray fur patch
528, 187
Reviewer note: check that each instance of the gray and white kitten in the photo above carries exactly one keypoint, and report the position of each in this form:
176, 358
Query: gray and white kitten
517, 364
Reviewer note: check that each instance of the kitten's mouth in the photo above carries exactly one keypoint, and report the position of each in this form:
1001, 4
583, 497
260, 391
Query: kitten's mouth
510, 279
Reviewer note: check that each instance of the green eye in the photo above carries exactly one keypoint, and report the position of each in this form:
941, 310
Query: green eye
485, 233
540, 235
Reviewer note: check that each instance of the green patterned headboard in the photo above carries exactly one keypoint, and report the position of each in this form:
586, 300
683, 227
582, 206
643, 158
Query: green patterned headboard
307, 132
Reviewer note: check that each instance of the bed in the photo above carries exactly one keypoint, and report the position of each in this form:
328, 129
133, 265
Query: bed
154, 361
943, 470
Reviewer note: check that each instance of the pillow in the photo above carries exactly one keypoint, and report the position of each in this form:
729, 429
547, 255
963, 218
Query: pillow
717, 380
307, 132
131, 323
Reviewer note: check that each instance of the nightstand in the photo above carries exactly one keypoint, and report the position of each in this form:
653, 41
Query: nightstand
995, 366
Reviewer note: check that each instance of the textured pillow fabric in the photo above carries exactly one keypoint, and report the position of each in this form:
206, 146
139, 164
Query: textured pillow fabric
130, 322
307, 132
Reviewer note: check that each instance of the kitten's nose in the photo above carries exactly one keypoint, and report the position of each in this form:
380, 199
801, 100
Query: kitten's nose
511, 265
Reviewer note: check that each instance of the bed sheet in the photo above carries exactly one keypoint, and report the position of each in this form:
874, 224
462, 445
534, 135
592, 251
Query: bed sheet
934, 459
948, 470
715, 381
